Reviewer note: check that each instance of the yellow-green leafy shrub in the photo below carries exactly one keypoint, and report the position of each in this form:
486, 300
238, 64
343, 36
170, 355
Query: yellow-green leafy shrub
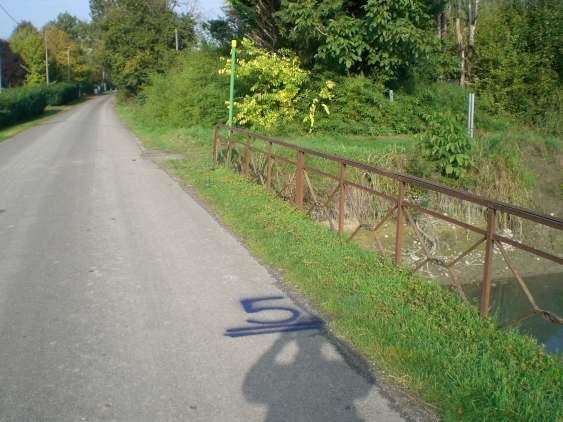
279, 93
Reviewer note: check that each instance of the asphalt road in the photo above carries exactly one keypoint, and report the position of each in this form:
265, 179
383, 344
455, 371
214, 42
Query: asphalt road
117, 290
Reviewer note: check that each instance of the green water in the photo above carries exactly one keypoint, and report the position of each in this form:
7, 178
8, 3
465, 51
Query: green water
510, 304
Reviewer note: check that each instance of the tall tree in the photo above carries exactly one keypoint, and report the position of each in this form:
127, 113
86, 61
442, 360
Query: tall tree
61, 48
98, 8
138, 38
466, 14
13, 72
28, 43
254, 19
84, 47
76, 29
375, 37
518, 62
222, 31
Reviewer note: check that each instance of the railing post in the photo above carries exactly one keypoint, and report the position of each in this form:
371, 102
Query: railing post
488, 265
269, 168
399, 230
299, 179
246, 159
215, 143
341, 197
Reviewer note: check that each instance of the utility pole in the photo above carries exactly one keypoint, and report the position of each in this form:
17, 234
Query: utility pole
68, 63
46, 59
177, 40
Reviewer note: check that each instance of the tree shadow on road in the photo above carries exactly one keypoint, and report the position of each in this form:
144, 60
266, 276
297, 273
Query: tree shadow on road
298, 381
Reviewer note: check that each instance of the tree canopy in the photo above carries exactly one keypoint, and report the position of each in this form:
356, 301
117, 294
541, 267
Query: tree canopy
13, 72
371, 37
138, 37
27, 42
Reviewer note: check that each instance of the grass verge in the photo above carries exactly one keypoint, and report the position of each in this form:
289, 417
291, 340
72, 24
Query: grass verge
50, 111
356, 147
412, 329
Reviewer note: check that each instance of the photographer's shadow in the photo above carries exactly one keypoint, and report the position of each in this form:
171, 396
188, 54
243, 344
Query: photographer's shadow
299, 382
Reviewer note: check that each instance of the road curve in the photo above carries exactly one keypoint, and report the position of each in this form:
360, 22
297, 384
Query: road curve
117, 290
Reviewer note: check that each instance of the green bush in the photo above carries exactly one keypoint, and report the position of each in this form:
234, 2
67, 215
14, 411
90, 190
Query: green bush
192, 93
61, 93
357, 108
361, 106
404, 114
446, 98
446, 143
279, 92
86, 88
20, 104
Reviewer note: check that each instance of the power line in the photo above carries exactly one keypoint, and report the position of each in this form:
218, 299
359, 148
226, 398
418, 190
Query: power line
1, 64
8, 13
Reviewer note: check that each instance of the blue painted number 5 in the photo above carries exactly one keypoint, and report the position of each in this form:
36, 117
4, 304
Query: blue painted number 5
295, 320
256, 305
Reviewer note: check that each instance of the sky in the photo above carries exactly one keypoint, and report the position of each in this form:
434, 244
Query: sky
40, 12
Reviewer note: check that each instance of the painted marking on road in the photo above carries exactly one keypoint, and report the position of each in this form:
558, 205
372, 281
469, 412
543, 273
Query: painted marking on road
296, 319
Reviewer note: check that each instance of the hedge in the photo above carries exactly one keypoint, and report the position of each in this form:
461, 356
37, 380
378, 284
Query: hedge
20, 104
24, 103
61, 93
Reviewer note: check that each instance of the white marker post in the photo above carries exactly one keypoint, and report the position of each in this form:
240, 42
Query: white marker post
470, 114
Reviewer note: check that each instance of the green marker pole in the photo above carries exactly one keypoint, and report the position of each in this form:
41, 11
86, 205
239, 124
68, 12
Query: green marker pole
232, 90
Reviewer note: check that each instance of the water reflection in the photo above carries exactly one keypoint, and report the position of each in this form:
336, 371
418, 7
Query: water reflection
510, 304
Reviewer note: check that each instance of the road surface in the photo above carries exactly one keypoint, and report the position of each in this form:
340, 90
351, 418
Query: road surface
117, 291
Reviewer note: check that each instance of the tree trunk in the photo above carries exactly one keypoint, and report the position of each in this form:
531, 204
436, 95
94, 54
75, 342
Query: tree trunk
267, 31
473, 13
445, 20
442, 23
460, 43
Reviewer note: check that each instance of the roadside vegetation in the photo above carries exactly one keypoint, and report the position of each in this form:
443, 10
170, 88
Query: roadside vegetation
418, 334
421, 133
22, 104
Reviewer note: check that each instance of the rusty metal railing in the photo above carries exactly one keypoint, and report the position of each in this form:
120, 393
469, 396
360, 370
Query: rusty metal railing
237, 148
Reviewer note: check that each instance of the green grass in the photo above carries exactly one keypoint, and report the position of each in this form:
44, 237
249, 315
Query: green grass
354, 146
416, 332
49, 113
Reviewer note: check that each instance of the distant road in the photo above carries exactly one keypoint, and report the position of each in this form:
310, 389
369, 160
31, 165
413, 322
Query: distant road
117, 290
